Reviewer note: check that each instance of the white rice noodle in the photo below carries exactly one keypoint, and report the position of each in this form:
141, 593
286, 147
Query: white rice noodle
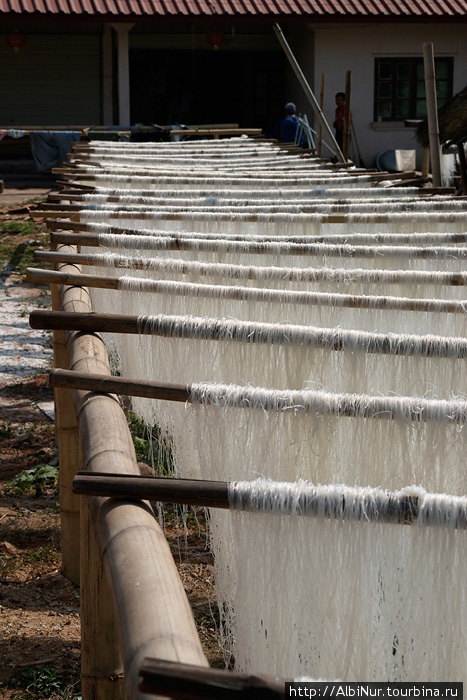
315, 194
284, 224
128, 179
187, 349
384, 314
333, 597
245, 207
405, 283
350, 239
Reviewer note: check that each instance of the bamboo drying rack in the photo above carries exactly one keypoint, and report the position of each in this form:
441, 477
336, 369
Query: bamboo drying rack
111, 545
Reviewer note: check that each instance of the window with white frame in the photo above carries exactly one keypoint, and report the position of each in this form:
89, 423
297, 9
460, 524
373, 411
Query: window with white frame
400, 87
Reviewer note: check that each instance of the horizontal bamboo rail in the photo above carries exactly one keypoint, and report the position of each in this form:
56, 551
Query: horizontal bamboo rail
203, 493
180, 681
327, 209
390, 507
103, 383
376, 505
336, 250
370, 218
145, 584
369, 505
350, 405
73, 171
66, 225
232, 292
72, 195
457, 279
334, 339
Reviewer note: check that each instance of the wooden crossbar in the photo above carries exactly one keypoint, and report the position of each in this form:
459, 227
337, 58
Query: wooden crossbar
334, 339
357, 218
350, 405
317, 275
181, 681
313, 298
340, 250
392, 506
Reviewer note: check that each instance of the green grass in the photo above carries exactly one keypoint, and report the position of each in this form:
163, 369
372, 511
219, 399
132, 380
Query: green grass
33, 683
17, 255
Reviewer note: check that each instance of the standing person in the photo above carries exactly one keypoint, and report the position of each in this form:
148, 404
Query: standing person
290, 124
338, 123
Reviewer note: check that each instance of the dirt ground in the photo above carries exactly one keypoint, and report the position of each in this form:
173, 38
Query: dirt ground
39, 608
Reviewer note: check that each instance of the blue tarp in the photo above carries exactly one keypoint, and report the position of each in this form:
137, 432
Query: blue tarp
50, 148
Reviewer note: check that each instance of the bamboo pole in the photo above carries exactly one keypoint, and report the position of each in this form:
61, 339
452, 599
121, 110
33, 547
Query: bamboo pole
388, 507
231, 292
155, 199
331, 250
350, 405
138, 564
425, 163
458, 279
437, 213
70, 174
321, 106
101, 665
462, 167
347, 114
432, 113
67, 438
308, 92
252, 332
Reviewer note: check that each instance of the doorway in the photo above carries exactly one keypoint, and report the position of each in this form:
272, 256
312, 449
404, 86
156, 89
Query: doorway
207, 87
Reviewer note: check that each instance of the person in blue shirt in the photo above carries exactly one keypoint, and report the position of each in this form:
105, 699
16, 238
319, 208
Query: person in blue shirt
289, 125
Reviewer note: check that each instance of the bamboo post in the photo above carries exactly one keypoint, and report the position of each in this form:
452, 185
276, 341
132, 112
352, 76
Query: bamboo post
462, 167
67, 439
101, 662
425, 163
347, 116
321, 106
308, 92
432, 113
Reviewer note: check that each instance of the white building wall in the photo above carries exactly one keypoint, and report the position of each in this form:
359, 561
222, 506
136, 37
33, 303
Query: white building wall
354, 47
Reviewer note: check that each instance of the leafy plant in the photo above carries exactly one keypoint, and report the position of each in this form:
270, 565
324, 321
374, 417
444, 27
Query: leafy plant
15, 227
43, 682
43, 555
35, 480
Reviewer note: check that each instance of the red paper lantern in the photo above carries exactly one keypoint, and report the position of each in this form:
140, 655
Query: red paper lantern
215, 39
16, 41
